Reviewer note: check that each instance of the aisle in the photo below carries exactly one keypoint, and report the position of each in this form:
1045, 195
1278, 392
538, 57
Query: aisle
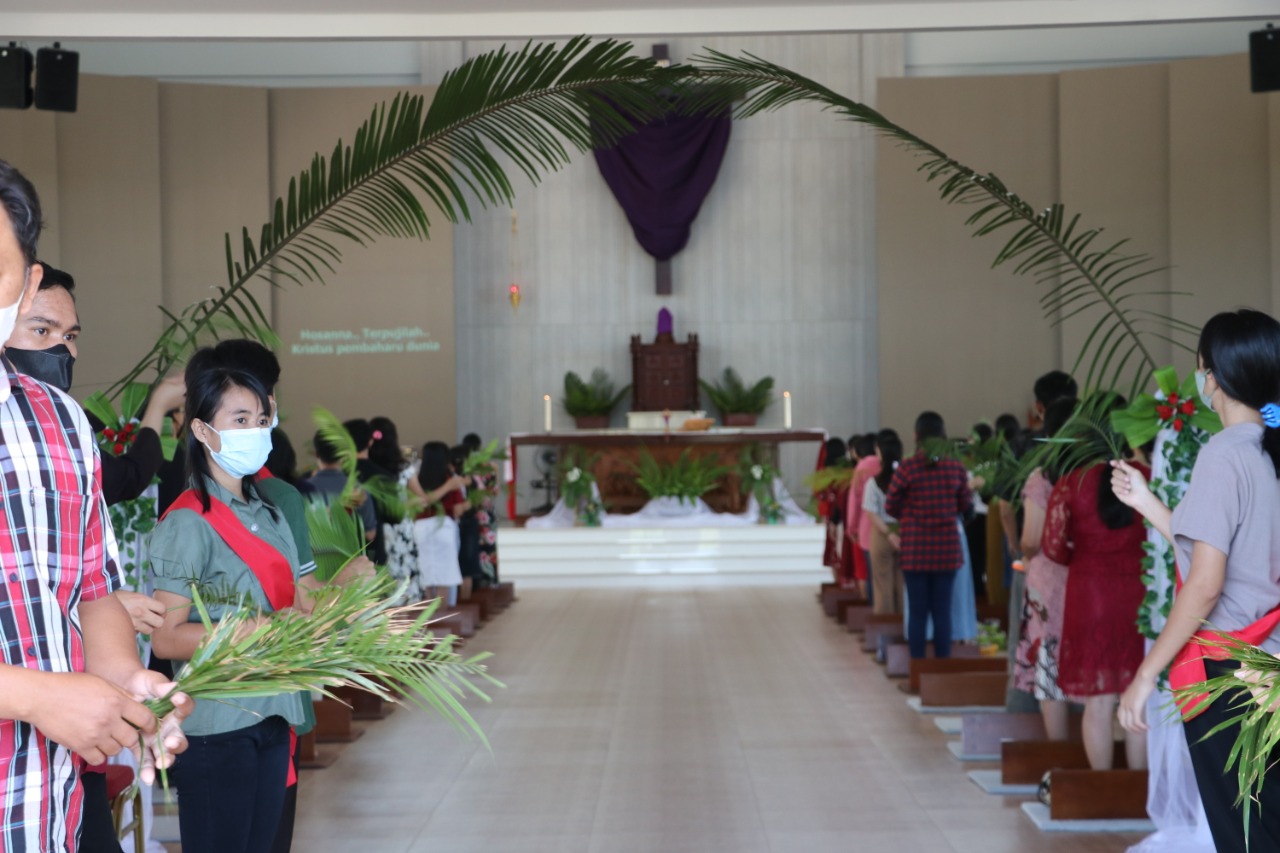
714, 719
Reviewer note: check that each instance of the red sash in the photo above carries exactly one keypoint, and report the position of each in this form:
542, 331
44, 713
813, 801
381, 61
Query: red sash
269, 566
1188, 667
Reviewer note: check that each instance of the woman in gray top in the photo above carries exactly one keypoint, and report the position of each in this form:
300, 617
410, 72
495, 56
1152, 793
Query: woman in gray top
225, 537
1226, 536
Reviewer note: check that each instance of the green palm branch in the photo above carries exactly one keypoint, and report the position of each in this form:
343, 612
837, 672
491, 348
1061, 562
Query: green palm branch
1083, 271
536, 107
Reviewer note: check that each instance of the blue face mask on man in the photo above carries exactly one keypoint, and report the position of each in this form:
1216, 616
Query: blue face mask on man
244, 451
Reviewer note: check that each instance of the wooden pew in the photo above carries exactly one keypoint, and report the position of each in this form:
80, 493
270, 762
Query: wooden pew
824, 586
364, 705
311, 756
1098, 794
878, 624
954, 666
983, 734
506, 593
1024, 762
853, 614
962, 689
831, 599
897, 661
333, 722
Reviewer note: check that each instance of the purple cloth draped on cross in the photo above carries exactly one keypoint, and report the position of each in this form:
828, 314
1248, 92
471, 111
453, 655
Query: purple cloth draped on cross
660, 175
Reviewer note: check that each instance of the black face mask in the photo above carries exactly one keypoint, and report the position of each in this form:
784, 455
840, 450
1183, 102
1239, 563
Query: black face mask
51, 366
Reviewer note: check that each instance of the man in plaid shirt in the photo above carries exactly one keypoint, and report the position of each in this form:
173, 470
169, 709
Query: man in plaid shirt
70, 677
928, 495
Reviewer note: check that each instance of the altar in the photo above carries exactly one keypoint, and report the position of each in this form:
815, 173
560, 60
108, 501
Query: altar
616, 452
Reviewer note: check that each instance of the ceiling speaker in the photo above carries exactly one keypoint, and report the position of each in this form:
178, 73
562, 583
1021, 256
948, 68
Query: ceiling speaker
1264, 60
15, 77
57, 79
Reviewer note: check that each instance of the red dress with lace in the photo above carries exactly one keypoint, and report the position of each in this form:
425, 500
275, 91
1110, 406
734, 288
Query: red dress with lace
1101, 647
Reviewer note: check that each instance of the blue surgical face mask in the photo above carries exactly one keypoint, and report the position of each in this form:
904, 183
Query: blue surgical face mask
1201, 377
244, 451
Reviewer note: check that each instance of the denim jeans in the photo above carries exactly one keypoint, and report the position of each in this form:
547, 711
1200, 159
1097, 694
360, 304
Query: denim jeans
929, 594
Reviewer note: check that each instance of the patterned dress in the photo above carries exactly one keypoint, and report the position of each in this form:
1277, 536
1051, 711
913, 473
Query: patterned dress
402, 549
487, 517
1035, 665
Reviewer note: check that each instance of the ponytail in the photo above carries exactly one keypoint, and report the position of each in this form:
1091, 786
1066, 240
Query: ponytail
1114, 514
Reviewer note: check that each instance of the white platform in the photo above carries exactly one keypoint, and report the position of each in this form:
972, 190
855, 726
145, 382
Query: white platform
594, 551
949, 725
1039, 814
914, 703
990, 782
956, 748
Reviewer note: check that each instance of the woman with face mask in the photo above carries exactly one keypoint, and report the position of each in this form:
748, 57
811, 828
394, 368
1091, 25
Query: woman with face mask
224, 537
1226, 538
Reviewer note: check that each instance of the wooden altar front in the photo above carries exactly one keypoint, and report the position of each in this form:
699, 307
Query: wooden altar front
619, 451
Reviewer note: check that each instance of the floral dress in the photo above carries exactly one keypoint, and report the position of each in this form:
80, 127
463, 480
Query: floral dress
402, 549
1035, 664
488, 520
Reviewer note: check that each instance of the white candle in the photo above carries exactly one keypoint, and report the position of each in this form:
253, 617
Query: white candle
786, 410
546, 412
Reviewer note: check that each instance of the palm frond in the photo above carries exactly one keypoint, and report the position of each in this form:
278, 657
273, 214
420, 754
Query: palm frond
537, 107
1081, 271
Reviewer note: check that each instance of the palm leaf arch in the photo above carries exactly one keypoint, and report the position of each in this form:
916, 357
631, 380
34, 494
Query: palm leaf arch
539, 105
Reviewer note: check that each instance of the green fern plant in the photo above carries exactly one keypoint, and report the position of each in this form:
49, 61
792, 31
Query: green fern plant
596, 397
733, 396
686, 479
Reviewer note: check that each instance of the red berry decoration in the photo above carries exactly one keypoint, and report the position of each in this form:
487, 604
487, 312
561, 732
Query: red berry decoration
1173, 399
110, 434
1188, 408
1177, 425
118, 449
1165, 412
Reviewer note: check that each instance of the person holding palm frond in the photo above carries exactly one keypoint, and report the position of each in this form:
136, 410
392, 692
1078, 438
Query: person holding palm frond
224, 534
1226, 537
1099, 538
436, 528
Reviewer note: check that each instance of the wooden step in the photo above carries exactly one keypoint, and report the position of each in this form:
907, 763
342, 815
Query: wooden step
963, 689
1024, 762
951, 665
1098, 794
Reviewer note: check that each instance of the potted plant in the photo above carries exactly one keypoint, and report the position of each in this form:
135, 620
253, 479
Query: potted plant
686, 479
755, 476
590, 403
739, 404
577, 486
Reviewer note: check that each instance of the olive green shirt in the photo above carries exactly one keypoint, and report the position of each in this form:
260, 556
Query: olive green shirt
185, 548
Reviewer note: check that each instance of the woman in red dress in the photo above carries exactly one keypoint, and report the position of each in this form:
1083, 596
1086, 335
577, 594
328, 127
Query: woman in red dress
1099, 540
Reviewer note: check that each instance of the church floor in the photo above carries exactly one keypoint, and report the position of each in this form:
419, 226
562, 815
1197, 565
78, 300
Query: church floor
678, 719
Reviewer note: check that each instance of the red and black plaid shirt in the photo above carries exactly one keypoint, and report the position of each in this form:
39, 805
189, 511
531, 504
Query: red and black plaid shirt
927, 498
56, 550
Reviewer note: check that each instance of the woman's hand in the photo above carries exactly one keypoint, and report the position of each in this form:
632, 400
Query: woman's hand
1129, 485
896, 541
146, 613
1265, 683
1133, 703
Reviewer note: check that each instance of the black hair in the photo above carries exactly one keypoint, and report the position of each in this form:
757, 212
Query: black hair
458, 456
207, 383
1242, 350
887, 432
1114, 514
472, 442
326, 451
1056, 415
836, 453
1054, 385
385, 450
890, 447
930, 425
864, 445
252, 357
1007, 427
435, 468
360, 431
283, 461
982, 432
54, 277
22, 204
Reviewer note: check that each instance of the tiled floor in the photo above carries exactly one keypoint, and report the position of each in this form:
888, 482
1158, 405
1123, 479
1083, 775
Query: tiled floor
696, 719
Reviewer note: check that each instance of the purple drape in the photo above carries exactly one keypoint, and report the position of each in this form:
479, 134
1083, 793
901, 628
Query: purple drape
660, 175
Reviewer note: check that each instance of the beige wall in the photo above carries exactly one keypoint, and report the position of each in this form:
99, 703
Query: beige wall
1179, 157
398, 284
139, 187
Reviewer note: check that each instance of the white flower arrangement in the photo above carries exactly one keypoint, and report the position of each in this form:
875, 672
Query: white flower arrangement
757, 471
573, 475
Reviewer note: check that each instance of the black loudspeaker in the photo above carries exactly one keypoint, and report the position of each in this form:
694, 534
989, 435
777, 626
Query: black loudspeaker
1264, 60
15, 77
57, 79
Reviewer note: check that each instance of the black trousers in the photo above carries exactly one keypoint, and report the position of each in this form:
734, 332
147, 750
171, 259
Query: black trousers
1218, 786
97, 830
231, 788
289, 814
